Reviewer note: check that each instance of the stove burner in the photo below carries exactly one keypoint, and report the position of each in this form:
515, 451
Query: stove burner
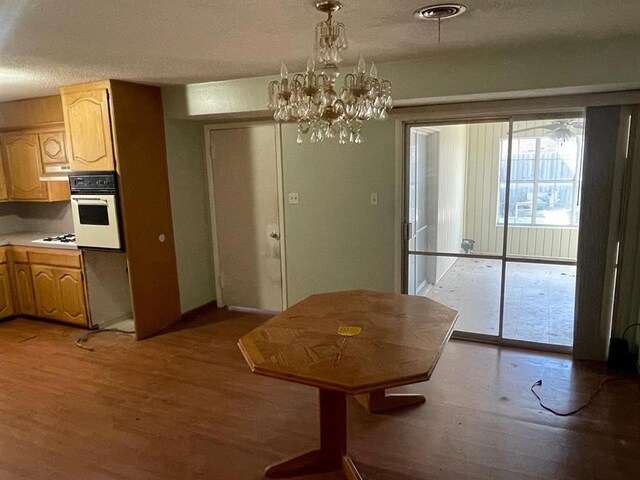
67, 238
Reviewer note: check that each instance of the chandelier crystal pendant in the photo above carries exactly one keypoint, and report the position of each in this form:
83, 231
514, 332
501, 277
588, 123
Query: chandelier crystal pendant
312, 99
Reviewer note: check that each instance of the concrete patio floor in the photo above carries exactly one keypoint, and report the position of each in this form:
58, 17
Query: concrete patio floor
539, 299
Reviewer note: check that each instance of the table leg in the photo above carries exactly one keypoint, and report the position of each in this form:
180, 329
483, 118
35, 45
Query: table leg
331, 455
380, 401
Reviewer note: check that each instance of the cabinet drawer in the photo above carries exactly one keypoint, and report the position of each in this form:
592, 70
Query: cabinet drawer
18, 255
3, 255
55, 259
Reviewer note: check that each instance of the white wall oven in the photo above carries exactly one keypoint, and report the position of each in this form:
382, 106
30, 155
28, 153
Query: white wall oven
94, 207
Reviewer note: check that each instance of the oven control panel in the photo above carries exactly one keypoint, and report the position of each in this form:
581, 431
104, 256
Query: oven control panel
92, 182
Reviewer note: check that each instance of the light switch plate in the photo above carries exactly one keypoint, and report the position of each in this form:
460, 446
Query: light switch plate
374, 198
294, 198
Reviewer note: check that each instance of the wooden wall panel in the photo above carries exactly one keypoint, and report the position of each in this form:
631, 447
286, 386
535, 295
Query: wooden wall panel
144, 192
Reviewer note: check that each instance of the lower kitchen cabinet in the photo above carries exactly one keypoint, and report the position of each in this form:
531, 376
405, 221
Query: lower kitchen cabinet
6, 303
23, 289
59, 294
44, 283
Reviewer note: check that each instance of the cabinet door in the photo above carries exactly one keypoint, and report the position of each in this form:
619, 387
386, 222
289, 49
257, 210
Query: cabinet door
23, 284
6, 304
46, 292
52, 148
22, 159
71, 294
86, 115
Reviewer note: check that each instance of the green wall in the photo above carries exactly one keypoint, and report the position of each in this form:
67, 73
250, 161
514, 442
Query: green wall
335, 239
190, 209
543, 68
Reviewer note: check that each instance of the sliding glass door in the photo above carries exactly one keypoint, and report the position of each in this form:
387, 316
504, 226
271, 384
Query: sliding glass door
491, 229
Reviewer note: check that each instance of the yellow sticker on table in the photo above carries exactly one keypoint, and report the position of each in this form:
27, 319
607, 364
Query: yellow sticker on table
349, 331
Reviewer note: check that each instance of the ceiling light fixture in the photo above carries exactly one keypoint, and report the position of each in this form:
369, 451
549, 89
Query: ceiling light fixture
311, 99
439, 12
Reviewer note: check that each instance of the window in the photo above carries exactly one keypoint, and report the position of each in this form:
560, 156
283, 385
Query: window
545, 174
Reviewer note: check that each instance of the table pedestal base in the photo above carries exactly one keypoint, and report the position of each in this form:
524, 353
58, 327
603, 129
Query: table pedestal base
332, 454
380, 401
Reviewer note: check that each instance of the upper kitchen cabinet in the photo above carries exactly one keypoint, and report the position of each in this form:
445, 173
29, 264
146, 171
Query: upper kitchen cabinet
31, 148
24, 167
88, 125
52, 148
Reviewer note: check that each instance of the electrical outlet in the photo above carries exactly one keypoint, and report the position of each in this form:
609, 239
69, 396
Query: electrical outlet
374, 198
294, 198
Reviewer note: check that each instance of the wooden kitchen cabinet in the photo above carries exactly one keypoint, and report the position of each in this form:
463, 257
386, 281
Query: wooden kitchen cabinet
44, 283
25, 303
46, 293
71, 294
23, 167
6, 302
53, 148
59, 294
23, 162
116, 125
58, 286
88, 126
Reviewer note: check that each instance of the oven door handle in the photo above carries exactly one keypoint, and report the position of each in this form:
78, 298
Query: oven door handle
89, 201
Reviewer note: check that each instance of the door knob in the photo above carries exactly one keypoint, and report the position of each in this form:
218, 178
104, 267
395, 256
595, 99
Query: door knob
275, 235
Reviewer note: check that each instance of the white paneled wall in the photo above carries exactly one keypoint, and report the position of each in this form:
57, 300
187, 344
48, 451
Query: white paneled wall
481, 202
452, 153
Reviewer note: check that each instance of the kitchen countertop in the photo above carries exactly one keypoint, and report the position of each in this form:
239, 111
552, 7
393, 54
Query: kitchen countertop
25, 239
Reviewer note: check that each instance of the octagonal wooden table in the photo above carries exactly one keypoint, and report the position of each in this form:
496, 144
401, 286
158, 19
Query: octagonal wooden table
355, 342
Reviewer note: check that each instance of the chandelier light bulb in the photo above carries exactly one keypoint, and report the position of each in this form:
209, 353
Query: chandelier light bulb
284, 73
362, 66
311, 64
374, 71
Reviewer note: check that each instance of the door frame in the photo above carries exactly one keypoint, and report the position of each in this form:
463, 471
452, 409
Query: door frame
212, 207
494, 110
504, 257
491, 110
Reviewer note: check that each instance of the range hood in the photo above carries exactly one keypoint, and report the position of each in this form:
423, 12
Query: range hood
55, 173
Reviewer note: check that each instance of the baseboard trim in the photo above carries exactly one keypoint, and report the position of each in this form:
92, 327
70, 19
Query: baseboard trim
257, 311
202, 309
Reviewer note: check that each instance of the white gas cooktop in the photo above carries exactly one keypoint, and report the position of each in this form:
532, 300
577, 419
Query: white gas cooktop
67, 240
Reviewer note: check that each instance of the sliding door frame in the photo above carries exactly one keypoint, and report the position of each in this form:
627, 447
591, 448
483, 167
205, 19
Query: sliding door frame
494, 110
504, 257
473, 110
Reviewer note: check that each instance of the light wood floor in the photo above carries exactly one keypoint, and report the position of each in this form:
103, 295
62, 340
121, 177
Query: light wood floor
184, 405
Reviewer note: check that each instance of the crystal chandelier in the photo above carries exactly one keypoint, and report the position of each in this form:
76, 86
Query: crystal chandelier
311, 98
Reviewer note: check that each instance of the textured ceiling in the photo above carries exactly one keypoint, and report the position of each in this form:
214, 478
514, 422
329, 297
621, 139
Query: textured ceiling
48, 43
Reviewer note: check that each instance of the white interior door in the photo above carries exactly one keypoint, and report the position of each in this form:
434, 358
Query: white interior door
244, 163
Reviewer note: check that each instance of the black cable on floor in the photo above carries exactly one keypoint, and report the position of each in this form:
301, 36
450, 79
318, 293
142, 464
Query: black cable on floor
572, 412
84, 338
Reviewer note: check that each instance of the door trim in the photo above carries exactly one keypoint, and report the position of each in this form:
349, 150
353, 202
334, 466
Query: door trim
402, 253
212, 207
